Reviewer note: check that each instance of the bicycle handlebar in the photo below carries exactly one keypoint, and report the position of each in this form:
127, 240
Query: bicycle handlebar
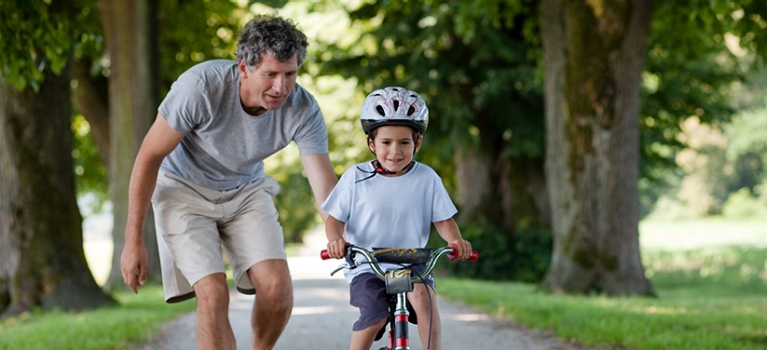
451, 251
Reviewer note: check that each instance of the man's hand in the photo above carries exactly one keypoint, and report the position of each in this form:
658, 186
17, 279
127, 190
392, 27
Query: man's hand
133, 265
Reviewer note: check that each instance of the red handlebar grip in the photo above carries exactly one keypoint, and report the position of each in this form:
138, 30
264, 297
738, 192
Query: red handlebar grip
474, 254
325, 255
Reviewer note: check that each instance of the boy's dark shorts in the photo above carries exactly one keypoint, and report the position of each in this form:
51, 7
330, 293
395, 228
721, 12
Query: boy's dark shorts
368, 294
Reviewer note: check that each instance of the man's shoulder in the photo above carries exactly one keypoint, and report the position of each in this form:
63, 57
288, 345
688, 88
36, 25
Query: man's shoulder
301, 96
212, 69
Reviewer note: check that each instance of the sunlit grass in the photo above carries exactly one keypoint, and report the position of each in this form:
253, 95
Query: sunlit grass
133, 321
710, 296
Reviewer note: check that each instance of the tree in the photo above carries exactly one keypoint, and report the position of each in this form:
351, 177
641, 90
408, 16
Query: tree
594, 57
43, 262
130, 29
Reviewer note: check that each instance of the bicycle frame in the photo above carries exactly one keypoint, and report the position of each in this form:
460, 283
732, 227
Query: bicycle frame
398, 333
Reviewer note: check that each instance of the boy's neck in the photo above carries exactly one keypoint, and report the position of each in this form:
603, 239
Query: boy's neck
384, 172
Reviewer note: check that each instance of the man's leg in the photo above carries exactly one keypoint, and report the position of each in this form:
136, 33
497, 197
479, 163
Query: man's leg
212, 327
274, 301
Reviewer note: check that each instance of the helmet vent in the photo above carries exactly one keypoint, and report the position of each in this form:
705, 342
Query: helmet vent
410, 111
396, 104
380, 110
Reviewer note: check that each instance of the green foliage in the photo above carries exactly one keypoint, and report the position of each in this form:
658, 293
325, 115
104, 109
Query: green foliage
192, 32
523, 257
743, 205
92, 176
478, 65
107, 328
32, 38
295, 203
683, 78
477, 72
747, 149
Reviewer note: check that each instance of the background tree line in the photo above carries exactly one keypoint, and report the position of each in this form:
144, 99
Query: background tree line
555, 125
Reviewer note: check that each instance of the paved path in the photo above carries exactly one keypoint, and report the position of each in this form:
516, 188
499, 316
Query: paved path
322, 318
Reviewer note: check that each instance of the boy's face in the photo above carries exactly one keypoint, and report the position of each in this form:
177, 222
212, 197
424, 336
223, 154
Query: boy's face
394, 146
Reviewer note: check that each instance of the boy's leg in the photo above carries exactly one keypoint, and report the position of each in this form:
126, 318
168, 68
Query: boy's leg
363, 339
274, 301
368, 293
424, 302
212, 326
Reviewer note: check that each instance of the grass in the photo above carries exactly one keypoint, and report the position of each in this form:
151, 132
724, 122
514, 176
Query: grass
710, 277
710, 296
133, 321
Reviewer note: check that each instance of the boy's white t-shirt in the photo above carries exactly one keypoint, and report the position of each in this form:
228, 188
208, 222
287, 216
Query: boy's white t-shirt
388, 212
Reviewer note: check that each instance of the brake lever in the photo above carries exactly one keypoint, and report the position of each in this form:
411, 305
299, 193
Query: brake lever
339, 268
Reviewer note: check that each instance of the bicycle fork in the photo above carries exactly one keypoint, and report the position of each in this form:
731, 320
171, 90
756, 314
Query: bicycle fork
399, 340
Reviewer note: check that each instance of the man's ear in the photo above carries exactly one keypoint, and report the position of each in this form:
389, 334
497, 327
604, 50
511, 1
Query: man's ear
242, 68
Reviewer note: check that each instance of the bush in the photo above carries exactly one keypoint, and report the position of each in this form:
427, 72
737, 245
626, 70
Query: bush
742, 205
522, 256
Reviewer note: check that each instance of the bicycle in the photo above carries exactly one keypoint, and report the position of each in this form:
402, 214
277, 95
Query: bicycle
398, 282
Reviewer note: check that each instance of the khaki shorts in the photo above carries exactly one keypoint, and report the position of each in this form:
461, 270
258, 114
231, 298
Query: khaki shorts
193, 223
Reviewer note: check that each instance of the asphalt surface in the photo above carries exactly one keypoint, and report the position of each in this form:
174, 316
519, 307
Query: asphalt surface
322, 318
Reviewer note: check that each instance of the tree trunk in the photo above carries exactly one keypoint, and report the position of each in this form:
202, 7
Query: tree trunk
130, 30
509, 192
594, 56
42, 261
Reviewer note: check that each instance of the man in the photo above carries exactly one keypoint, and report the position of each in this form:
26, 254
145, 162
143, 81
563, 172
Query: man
201, 166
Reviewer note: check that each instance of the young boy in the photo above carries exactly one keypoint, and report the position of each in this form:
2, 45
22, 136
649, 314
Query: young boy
391, 202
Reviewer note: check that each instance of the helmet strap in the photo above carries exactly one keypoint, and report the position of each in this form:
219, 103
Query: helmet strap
381, 170
378, 169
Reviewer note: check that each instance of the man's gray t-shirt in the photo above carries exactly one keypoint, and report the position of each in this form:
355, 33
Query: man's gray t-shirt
224, 146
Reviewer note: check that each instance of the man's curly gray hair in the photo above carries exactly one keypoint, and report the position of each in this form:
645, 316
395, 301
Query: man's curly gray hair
270, 33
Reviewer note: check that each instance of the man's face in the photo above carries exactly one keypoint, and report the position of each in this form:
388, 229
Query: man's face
268, 86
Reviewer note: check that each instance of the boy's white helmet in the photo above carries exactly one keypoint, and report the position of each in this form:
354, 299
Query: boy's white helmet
394, 106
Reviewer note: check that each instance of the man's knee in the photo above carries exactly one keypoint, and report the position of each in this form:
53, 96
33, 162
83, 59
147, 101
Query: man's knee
212, 292
271, 278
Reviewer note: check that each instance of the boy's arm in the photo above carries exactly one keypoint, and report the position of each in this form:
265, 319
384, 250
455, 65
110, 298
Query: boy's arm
449, 231
334, 230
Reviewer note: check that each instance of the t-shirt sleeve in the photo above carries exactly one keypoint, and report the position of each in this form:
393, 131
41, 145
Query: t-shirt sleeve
442, 206
339, 202
185, 105
312, 135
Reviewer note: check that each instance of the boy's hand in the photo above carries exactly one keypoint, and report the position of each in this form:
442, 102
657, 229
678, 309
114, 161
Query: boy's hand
337, 248
464, 249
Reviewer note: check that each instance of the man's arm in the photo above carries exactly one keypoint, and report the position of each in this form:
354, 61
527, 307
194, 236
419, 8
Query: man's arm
158, 143
321, 177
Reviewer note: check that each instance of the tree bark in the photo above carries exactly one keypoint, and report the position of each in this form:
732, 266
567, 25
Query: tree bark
509, 192
42, 261
130, 30
594, 56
